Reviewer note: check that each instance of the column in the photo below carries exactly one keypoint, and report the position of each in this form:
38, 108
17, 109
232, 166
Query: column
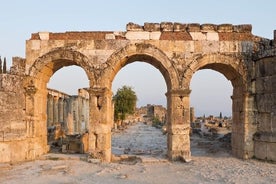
50, 110
55, 110
60, 110
101, 120
179, 124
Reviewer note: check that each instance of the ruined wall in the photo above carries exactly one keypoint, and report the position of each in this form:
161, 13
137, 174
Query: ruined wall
13, 125
265, 137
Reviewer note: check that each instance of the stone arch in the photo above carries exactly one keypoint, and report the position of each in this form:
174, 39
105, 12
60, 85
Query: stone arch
231, 66
46, 65
36, 92
144, 53
156, 57
235, 70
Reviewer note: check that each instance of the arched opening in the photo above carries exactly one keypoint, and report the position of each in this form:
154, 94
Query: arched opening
67, 110
211, 113
235, 71
37, 101
141, 133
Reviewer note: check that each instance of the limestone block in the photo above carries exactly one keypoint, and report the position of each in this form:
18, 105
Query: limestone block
35, 44
180, 142
194, 27
44, 35
198, 36
264, 102
154, 35
177, 27
5, 152
101, 129
179, 129
212, 36
166, 26
133, 27
228, 46
137, 35
109, 36
243, 28
247, 46
208, 28
260, 150
271, 150
103, 141
210, 46
151, 27
189, 46
225, 28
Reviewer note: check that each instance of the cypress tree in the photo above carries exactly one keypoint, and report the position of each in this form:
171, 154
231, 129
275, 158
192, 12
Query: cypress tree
5, 66
0, 65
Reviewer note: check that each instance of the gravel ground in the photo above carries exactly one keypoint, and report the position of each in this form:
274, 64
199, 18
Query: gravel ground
211, 163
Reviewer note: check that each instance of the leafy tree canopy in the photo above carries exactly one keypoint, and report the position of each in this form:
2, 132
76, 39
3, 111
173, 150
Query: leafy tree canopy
124, 102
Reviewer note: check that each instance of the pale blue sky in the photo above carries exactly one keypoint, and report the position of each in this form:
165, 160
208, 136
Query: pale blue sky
18, 19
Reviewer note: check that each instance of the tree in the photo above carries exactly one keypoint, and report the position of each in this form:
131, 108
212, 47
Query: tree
220, 115
5, 66
0, 65
124, 102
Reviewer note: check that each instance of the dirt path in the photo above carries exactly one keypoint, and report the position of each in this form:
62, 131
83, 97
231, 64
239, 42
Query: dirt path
210, 164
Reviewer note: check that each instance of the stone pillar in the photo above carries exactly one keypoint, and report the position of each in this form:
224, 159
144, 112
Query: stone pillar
101, 120
55, 109
50, 110
192, 115
60, 110
179, 124
243, 126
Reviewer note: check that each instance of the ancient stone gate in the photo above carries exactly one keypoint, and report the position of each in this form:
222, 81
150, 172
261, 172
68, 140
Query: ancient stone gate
177, 51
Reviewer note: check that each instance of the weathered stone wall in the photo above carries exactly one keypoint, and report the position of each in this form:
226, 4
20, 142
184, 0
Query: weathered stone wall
265, 137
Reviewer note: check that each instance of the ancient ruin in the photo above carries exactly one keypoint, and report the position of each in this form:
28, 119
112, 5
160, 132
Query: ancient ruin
177, 50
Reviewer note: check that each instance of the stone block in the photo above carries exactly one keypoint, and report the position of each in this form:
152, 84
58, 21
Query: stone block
208, 28
260, 150
44, 35
166, 26
210, 46
103, 141
109, 36
189, 46
195, 27
247, 46
212, 36
198, 36
225, 28
151, 27
243, 28
177, 27
264, 102
35, 44
5, 152
271, 150
137, 35
179, 142
134, 27
154, 35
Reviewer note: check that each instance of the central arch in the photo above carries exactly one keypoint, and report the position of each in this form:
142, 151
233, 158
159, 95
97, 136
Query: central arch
157, 58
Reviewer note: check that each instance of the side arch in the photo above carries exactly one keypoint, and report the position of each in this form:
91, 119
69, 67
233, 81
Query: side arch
234, 69
144, 53
231, 66
45, 66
